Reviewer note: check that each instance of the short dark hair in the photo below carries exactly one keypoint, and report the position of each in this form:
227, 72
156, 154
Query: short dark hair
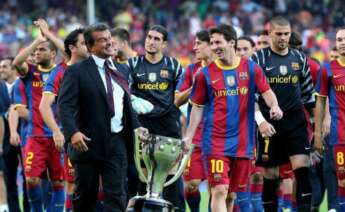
161, 29
279, 21
10, 59
72, 39
227, 31
52, 46
295, 41
263, 32
247, 38
97, 27
121, 33
203, 35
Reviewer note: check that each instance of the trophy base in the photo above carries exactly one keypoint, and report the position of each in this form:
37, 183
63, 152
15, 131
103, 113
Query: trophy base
144, 204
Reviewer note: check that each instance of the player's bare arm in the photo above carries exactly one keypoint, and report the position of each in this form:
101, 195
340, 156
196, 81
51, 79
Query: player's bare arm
265, 128
319, 117
13, 119
326, 124
195, 118
48, 117
271, 101
19, 60
182, 97
43, 25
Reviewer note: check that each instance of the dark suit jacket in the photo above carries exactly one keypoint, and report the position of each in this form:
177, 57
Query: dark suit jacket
83, 107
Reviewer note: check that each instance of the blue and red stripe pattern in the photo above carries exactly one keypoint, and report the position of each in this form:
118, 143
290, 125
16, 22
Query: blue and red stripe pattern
331, 83
228, 97
32, 89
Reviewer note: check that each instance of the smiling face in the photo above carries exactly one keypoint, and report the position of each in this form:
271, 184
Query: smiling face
102, 46
220, 47
340, 42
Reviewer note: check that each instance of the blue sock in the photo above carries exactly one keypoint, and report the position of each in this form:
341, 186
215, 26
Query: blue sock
58, 199
256, 201
341, 198
47, 190
35, 198
243, 199
193, 200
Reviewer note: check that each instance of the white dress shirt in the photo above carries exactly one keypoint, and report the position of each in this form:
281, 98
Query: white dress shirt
118, 94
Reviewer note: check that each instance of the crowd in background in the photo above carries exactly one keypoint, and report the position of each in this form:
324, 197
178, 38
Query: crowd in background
314, 19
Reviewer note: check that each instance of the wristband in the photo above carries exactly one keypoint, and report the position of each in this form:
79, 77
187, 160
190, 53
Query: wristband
259, 118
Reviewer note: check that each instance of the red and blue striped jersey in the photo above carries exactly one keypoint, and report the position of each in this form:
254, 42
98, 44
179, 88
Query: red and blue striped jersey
34, 82
185, 83
19, 96
54, 81
228, 95
331, 83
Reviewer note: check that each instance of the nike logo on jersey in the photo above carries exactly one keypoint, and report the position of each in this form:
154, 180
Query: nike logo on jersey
270, 68
338, 76
140, 75
214, 81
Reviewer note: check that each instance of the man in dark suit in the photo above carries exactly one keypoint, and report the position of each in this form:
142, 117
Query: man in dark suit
98, 124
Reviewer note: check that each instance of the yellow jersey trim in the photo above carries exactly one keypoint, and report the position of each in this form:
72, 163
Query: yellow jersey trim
224, 67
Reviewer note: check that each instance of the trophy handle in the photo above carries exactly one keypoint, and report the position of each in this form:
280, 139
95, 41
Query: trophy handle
181, 167
137, 157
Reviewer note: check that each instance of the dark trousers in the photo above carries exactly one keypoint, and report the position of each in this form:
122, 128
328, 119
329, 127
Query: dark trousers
113, 171
12, 159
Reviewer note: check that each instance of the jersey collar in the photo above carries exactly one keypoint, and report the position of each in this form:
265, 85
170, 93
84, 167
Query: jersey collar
221, 66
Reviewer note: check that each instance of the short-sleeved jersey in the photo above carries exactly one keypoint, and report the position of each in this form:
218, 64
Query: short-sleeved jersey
54, 80
315, 67
228, 95
33, 82
331, 83
289, 77
4, 98
20, 98
155, 82
185, 83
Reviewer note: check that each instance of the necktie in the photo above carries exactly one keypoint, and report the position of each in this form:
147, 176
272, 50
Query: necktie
110, 98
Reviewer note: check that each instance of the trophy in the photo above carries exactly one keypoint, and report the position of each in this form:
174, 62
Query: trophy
160, 155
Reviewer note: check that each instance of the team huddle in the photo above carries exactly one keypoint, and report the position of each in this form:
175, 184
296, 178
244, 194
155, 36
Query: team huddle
262, 117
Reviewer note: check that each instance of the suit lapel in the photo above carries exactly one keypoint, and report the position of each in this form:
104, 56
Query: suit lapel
92, 69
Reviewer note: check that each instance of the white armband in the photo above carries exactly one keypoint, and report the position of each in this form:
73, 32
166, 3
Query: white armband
259, 118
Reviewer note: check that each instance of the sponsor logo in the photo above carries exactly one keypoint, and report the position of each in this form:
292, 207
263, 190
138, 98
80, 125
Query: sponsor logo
270, 68
338, 76
232, 92
214, 81
231, 80
283, 70
153, 86
283, 79
295, 66
37, 84
164, 73
339, 88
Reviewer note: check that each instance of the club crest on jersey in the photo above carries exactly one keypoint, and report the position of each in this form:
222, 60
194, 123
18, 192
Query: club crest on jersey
164, 73
295, 66
152, 77
243, 75
283, 70
231, 80
45, 77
